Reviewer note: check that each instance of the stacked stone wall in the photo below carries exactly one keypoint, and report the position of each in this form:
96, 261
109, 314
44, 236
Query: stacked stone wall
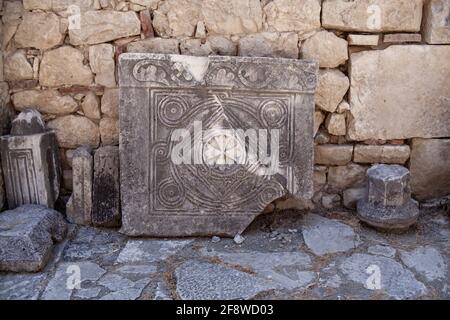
383, 94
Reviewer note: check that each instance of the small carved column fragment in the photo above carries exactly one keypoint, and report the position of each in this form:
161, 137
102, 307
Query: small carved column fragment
388, 204
79, 207
30, 162
106, 192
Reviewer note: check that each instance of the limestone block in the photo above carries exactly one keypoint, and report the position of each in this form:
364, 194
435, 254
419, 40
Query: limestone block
327, 48
103, 26
372, 15
388, 98
268, 44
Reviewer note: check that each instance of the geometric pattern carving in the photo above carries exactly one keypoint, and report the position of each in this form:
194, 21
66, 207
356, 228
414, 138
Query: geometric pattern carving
31, 169
221, 105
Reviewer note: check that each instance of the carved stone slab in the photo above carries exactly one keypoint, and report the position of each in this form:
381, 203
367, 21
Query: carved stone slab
208, 142
31, 169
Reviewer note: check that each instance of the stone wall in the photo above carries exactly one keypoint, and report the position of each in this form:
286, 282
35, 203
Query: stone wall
383, 95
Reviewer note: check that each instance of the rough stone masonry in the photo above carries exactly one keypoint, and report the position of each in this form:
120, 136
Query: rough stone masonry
382, 97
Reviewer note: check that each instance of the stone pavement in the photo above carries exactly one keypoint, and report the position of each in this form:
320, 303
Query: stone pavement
327, 255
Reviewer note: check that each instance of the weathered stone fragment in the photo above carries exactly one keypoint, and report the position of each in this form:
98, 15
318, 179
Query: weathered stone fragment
331, 88
430, 168
27, 236
79, 207
319, 117
436, 28
146, 24
267, 44
17, 67
103, 26
101, 59
73, 131
40, 30
64, 66
293, 15
155, 45
363, 39
45, 101
327, 48
393, 154
28, 122
372, 15
388, 204
30, 161
168, 92
413, 106
60, 5
332, 154
106, 189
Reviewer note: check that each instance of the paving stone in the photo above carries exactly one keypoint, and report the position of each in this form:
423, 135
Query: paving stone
426, 261
288, 270
137, 269
130, 293
27, 235
94, 244
396, 281
382, 250
230, 194
200, 280
58, 289
21, 286
326, 236
87, 293
144, 251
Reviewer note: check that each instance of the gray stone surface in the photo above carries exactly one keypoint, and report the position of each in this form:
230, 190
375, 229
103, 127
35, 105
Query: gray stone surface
21, 286
426, 261
28, 122
58, 289
201, 280
388, 204
106, 189
79, 207
286, 270
27, 235
326, 236
382, 250
396, 281
30, 163
217, 196
150, 250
